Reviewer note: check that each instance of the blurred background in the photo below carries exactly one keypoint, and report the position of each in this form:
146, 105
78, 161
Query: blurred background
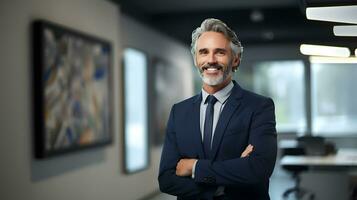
150, 68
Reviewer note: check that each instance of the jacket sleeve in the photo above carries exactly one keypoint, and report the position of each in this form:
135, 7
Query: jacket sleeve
168, 181
253, 169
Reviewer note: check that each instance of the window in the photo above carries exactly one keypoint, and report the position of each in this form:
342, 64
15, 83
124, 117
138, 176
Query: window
136, 106
283, 81
334, 98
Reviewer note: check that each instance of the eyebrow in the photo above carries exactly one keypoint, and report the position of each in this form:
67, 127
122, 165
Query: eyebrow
216, 50
220, 50
202, 50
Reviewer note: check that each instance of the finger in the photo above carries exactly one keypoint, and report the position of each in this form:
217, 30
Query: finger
250, 148
247, 151
178, 171
179, 167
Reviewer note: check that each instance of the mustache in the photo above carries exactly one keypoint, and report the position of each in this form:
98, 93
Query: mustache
217, 66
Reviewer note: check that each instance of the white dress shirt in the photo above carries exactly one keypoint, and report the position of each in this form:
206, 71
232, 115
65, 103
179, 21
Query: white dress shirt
221, 97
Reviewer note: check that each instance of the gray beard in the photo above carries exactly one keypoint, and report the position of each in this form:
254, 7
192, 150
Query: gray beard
213, 81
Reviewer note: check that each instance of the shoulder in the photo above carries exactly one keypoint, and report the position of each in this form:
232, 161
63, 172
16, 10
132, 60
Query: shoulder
188, 102
249, 95
185, 106
255, 100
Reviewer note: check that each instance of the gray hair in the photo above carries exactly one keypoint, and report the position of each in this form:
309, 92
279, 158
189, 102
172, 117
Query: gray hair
216, 25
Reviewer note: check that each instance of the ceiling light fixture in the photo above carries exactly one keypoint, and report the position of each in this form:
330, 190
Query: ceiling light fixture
349, 31
268, 35
343, 14
320, 50
319, 59
256, 16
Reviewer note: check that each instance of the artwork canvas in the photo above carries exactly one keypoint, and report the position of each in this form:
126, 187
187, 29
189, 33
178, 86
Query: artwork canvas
71, 79
168, 90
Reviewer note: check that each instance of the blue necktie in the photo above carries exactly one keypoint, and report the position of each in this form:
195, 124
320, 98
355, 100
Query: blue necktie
207, 136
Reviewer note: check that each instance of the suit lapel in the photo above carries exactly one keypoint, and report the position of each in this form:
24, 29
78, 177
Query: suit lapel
223, 121
195, 124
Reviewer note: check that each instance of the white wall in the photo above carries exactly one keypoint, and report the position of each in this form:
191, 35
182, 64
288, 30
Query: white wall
155, 44
158, 45
92, 174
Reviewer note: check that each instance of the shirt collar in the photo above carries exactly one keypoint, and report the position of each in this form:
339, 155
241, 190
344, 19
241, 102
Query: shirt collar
221, 95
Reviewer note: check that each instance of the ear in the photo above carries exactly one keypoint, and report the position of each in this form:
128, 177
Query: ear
236, 62
235, 68
195, 60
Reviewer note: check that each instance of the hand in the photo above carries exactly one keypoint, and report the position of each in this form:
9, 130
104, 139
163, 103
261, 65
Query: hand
184, 167
247, 151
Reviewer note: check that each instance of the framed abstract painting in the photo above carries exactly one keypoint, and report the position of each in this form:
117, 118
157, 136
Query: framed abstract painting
71, 85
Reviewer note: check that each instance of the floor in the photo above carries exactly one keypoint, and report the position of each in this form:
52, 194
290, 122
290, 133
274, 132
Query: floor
280, 181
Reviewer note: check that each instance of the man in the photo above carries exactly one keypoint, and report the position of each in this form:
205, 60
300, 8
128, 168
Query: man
221, 143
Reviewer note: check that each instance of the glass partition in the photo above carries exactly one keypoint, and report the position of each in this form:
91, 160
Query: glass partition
283, 81
334, 97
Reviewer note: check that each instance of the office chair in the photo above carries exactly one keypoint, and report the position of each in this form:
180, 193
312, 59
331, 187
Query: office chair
307, 145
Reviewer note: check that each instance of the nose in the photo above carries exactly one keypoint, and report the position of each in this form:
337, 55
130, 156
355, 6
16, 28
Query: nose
212, 59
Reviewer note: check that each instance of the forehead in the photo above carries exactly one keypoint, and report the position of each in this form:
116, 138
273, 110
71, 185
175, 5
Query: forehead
212, 40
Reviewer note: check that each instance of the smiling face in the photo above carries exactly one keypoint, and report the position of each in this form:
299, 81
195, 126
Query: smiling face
215, 60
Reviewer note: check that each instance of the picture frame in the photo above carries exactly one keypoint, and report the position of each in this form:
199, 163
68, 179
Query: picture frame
168, 84
71, 90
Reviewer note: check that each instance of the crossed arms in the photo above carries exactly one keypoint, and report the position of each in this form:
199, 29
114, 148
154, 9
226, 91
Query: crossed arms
251, 167
185, 166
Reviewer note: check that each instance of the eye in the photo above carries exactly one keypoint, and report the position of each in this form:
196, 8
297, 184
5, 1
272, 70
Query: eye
202, 52
221, 52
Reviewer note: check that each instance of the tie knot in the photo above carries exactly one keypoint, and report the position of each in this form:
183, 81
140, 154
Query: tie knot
211, 99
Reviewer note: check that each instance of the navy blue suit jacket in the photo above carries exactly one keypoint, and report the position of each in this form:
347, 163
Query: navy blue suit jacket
247, 118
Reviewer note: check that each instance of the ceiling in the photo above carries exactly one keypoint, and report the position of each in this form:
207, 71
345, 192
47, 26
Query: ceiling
255, 21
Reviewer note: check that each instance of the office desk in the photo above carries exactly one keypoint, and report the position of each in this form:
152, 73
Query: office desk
328, 177
343, 158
